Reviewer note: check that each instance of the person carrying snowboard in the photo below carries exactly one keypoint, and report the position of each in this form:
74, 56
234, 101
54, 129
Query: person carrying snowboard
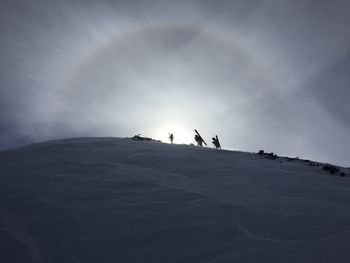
171, 137
198, 138
215, 141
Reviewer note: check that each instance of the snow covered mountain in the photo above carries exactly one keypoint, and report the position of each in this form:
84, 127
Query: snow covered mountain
118, 200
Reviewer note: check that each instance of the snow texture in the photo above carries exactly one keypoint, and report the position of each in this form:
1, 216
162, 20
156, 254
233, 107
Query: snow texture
120, 200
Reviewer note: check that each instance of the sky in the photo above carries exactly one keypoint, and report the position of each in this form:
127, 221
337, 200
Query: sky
260, 74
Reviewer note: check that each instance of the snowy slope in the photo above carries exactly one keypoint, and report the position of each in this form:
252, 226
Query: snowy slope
118, 200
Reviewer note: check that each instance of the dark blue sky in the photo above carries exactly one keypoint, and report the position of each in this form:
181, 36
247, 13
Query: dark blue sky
261, 74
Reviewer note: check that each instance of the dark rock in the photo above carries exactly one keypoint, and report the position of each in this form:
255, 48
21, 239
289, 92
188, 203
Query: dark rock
139, 138
271, 156
330, 168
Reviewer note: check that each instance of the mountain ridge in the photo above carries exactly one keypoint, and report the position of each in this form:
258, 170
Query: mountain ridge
113, 199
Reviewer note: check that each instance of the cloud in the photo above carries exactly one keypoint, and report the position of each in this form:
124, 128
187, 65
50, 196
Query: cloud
269, 74
331, 89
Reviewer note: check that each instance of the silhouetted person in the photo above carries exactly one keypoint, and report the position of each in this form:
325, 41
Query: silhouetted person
198, 138
171, 137
215, 141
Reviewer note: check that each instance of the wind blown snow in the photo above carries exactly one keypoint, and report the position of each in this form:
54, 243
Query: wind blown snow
118, 200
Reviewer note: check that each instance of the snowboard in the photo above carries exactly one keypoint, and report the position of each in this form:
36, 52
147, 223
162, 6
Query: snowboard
219, 146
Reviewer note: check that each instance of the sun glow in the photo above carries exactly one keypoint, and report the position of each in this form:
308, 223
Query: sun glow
181, 135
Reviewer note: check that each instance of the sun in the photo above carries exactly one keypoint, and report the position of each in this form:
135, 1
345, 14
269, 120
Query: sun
181, 134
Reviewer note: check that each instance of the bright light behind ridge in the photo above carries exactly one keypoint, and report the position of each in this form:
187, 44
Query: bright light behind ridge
181, 134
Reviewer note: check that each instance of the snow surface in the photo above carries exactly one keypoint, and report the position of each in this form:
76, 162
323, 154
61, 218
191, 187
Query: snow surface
119, 200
